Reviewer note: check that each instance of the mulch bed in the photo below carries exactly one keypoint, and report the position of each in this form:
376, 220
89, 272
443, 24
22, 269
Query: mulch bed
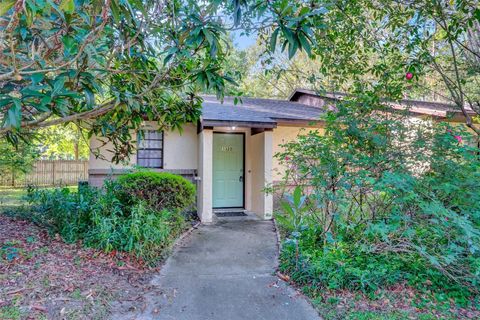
43, 277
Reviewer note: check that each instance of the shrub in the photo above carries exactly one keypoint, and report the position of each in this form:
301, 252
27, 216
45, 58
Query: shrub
144, 232
381, 200
159, 190
101, 220
62, 211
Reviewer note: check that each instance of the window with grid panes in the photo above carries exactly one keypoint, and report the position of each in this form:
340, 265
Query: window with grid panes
150, 149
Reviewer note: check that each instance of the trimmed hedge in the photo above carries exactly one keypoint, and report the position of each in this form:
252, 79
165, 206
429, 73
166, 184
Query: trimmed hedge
159, 190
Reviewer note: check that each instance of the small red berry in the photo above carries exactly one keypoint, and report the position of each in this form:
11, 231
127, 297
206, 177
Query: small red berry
409, 76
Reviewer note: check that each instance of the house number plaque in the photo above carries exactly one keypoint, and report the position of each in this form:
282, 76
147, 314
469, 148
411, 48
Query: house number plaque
227, 148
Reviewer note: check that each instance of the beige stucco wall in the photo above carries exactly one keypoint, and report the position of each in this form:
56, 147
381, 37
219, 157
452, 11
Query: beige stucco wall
261, 151
180, 150
105, 161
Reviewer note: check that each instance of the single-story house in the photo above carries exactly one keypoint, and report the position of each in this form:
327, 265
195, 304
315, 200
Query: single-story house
229, 153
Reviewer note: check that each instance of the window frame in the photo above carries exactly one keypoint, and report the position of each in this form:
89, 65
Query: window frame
161, 149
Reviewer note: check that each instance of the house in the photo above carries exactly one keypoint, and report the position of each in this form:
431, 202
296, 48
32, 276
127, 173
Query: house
229, 153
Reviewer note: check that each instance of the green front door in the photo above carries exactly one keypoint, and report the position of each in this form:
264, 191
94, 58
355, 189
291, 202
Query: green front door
228, 170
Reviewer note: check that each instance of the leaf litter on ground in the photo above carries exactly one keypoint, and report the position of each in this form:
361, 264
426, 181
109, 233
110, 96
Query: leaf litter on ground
42, 276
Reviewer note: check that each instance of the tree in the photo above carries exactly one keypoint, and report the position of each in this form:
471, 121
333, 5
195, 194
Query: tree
368, 47
64, 142
16, 160
277, 76
107, 66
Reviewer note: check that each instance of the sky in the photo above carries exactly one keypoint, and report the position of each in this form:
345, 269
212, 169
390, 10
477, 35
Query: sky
242, 42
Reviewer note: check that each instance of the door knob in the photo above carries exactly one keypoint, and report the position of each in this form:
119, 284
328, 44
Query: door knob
240, 179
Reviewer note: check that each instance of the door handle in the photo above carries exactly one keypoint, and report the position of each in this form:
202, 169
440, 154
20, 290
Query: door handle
240, 179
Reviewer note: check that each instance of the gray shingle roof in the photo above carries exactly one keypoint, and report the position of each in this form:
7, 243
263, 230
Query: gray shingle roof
433, 108
267, 111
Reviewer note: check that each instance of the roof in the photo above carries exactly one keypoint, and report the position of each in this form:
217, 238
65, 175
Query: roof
431, 108
267, 112
329, 95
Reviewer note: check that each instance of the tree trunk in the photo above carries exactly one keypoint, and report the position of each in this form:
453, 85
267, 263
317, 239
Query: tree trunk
75, 147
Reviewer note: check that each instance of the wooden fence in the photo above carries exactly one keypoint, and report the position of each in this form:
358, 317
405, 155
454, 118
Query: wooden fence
47, 173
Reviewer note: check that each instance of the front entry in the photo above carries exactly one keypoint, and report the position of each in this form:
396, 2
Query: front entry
228, 170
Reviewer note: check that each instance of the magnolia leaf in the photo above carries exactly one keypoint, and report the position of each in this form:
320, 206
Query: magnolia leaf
67, 6
89, 98
5, 6
237, 11
297, 197
14, 113
292, 49
305, 44
288, 34
273, 40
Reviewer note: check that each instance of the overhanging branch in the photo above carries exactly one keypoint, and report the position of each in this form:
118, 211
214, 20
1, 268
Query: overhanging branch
42, 122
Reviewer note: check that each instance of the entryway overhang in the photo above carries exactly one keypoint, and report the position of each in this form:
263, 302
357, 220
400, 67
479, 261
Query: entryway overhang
209, 124
218, 146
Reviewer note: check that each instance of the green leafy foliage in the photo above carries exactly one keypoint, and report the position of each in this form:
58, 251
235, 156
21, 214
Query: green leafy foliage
385, 200
18, 160
108, 66
159, 190
100, 219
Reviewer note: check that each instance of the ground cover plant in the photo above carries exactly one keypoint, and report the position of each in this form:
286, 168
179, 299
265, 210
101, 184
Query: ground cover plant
383, 201
109, 220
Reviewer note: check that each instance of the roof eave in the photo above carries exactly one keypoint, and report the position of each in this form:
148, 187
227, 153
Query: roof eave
238, 123
299, 122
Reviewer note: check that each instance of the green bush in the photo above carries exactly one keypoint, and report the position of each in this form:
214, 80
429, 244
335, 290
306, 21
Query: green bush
159, 190
62, 211
100, 219
383, 201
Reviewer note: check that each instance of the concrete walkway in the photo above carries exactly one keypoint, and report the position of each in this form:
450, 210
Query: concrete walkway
225, 272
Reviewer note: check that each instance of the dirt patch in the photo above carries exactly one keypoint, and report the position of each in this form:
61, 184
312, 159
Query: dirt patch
41, 277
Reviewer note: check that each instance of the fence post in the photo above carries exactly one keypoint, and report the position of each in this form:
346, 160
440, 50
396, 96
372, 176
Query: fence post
53, 173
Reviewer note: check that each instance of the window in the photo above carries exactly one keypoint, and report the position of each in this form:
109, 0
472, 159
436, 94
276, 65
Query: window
150, 149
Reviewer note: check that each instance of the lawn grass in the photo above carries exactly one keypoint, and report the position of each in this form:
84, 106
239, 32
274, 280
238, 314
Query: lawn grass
11, 198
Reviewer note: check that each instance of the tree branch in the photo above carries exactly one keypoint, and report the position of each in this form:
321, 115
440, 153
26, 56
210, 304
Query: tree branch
41, 122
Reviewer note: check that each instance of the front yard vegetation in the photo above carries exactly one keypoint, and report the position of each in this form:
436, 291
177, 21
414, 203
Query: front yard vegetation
117, 217
383, 203
42, 277
75, 253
